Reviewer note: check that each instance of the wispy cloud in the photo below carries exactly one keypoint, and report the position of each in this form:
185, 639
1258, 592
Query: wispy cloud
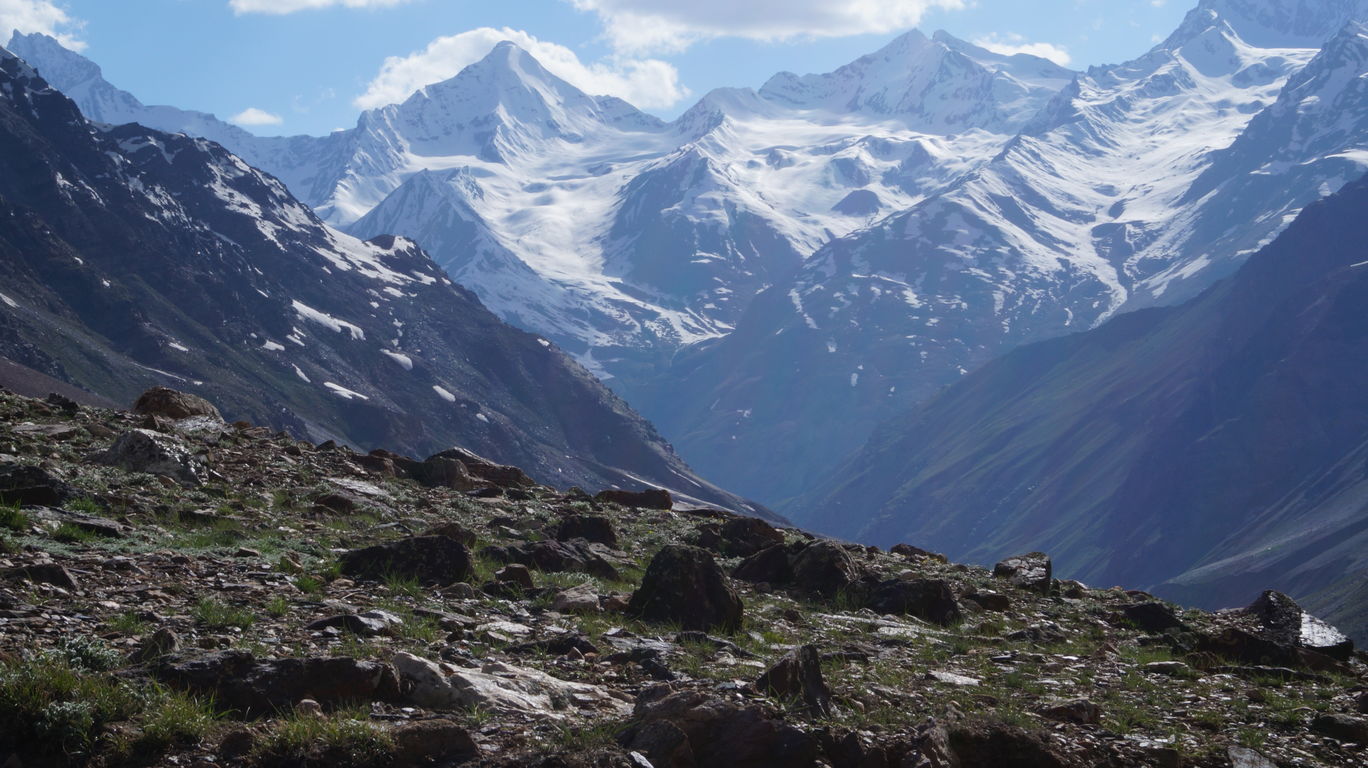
29, 16
647, 83
253, 116
281, 7
1012, 44
636, 26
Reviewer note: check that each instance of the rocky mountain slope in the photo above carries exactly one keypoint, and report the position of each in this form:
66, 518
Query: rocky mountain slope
175, 590
132, 257
1199, 450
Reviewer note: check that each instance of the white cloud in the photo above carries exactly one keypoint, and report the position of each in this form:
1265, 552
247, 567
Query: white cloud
671, 25
646, 83
30, 16
1012, 44
281, 7
254, 116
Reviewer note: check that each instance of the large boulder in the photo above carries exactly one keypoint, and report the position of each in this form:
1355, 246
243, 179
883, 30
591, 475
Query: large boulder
575, 556
824, 568
684, 585
237, 681
429, 559
1284, 622
989, 743
798, 677
162, 401
692, 729
442, 472
594, 528
745, 536
32, 486
771, 565
1152, 616
1031, 572
499, 687
655, 498
143, 450
486, 470
932, 600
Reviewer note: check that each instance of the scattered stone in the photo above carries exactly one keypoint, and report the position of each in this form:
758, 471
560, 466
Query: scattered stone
308, 708
429, 559
951, 678
1168, 668
684, 585
917, 553
594, 528
163, 642
824, 568
453, 531
1042, 633
486, 470
44, 573
576, 556
1078, 711
498, 687
30, 486
368, 624
989, 600
655, 498
1243, 757
745, 536
1342, 727
444, 471
161, 401
1032, 571
768, 566
798, 676
675, 730
1152, 616
515, 574
99, 526
990, 743
581, 599
252, 688
932, 600
154, 453
429, 742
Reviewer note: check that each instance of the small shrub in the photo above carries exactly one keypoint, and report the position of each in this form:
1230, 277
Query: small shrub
277, 606
343, 740
12, 519
85, 506
46, 701
215, 614
128, 623
89, 652
175, 718
73, 534
309, 585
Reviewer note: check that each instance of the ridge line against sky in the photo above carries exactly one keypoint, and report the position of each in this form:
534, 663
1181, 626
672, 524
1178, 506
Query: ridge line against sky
309, 66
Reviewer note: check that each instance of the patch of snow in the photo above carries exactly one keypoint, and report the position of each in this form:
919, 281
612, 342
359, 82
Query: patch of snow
272, 346
482, 417
8, 301
343, 392
444, 394
300, 374
327, 321
403, 360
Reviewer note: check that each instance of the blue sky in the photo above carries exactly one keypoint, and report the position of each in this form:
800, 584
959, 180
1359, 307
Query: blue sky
309, 66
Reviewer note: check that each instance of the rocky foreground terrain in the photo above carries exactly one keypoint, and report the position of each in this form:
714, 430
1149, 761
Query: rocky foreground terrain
175, 590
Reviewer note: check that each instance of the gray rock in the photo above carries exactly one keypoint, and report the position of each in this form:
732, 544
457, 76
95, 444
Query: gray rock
368, 624
31, 486
798, 676
823, 568
429, 559
142, 450
1342, 727
253, 688
175, 405
684, 585
1032, 571
1080, 711
501, 688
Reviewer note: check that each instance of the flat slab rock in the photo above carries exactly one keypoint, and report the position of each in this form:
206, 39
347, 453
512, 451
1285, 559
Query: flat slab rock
502, 687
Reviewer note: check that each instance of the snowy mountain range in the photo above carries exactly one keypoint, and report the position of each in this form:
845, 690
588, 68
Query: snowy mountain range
778, 270
130, 257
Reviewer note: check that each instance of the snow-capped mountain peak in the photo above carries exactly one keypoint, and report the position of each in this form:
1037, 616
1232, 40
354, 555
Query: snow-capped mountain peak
1286, 23
937, 85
